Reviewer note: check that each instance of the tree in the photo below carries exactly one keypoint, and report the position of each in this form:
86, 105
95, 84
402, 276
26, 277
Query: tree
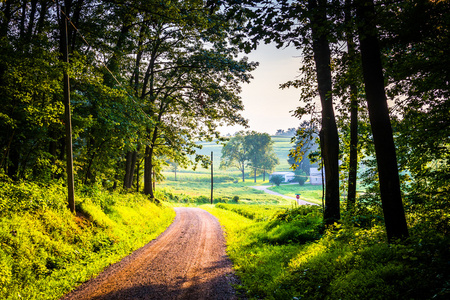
249, 149
306, 25
300, 176
276, 179
260, 152
394, 214
234, 154
269, 162
305, 143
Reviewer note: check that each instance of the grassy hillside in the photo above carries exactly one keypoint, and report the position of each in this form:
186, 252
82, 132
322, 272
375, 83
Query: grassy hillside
46, 251
288, 254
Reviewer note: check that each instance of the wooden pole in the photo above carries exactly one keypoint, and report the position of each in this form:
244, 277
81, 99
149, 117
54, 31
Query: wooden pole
212, 178
68, 119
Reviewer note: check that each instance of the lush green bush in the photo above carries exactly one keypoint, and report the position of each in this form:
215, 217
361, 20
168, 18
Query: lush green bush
25, 196
294, 225
276, 179
300, 177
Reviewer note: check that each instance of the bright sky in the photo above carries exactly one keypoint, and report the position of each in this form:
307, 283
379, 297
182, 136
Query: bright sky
266, 106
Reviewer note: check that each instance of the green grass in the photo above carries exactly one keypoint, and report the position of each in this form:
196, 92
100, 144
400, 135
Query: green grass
254, 212
226, 186
46, 251
291, 256
308, 192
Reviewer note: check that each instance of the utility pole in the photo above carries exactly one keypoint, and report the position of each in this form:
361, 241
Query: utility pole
212, 179
67, 116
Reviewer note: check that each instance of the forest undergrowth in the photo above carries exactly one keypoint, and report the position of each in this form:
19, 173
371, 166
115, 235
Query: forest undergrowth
46, 251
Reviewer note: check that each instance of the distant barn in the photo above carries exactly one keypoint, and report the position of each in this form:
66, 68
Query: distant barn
288, 176
315, 176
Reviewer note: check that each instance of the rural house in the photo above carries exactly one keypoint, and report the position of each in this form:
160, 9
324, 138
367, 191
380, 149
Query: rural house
288, 176
315, 176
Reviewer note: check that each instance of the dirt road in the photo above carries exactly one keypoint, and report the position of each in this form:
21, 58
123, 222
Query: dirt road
187, 261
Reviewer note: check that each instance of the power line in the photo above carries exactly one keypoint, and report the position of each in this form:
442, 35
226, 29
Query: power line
101, 61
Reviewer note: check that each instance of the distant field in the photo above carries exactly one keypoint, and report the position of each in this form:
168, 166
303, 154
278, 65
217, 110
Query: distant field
228, 183
281, 146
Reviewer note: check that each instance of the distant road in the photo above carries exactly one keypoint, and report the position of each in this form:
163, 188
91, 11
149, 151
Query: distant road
265, 189
187, 261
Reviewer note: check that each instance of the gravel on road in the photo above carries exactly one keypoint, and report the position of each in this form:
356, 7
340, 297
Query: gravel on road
187, 261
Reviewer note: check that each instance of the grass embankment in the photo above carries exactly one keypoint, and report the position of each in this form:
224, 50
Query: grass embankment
308, 192
46, 251
291, 256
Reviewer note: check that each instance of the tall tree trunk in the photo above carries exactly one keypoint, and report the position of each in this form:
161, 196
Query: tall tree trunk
148, 170
394, 215
138, 175
130, 166
67, 115
353, 160
13, 161
329, 136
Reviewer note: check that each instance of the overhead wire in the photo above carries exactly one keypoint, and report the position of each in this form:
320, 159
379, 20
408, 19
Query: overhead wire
101, 61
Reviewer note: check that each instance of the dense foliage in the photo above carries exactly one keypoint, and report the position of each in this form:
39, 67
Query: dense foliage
147, 80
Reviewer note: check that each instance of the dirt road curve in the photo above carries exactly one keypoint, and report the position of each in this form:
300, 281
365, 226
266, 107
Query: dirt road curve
187, 261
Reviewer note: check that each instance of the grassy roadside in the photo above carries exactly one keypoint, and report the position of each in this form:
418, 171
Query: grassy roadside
308, 192
290, 256
46, 251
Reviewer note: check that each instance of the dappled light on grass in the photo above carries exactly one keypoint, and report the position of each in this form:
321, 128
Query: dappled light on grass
345, 261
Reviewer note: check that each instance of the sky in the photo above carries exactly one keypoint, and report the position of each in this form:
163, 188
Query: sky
266, 106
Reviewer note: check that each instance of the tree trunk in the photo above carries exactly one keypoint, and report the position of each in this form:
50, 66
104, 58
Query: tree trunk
13, 161
353, 160
148, 168
329, 137
130, 166
138, 175
394, 215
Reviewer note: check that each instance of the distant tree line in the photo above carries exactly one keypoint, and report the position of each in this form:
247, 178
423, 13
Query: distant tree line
289, 132
249, 149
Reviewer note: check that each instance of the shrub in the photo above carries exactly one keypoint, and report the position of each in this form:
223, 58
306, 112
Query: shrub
300, 177
276, 179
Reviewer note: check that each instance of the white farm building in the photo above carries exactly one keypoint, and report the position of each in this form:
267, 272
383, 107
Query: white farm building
315, 176
288, 176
